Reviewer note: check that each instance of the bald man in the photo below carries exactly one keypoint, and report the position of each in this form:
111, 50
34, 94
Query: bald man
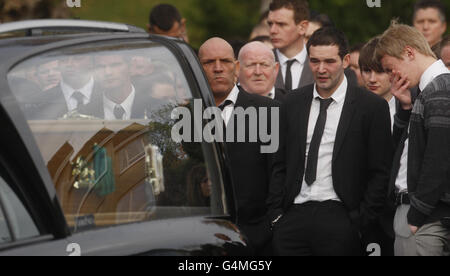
250, 169
259, 71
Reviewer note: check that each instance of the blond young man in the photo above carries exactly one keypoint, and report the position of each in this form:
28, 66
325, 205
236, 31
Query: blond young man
420, 179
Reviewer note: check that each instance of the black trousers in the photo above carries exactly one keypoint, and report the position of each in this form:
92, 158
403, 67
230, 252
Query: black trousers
316, 229
259, 236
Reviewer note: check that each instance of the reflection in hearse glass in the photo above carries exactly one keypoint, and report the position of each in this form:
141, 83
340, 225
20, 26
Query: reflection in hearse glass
104, 132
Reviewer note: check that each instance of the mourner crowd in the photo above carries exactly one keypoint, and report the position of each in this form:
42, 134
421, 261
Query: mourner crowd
364, 153
364, 132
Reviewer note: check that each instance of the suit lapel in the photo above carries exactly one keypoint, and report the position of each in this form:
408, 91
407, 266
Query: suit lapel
138, 107
346, 118
307, 77
279, 83
302, 115
241, 101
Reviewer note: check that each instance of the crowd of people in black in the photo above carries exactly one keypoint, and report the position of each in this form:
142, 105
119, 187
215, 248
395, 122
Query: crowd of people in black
364, 153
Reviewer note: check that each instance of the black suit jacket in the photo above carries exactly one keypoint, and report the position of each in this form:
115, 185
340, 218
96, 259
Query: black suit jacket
141, 105
280, 95
249, 167
250, 172
51, 104
361, 159
306, 78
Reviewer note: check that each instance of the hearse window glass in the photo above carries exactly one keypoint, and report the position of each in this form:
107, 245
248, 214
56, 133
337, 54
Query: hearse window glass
19, 220
101, 116
5, 237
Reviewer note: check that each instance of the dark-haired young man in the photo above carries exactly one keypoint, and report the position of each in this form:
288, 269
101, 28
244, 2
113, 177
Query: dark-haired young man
288, 22
373, 76
166, 20
331, 172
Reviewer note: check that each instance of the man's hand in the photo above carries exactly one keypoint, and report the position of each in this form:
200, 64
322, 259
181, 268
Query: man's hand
414, 229
400, 90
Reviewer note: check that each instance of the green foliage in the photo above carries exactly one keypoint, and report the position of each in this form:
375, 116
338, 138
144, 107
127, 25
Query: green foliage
234, 19
360, 22
230, 19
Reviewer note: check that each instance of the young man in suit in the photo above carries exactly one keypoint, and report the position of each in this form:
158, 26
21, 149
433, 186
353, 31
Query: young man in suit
288, 22
331, 172
259, 70
120, 99
250, 168
420, 179
76, 89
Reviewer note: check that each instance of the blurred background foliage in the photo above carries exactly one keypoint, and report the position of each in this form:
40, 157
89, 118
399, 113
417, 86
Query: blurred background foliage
230, 19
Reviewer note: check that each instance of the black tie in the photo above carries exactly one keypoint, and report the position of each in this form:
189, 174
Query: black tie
225, 104
118, 112
288, 81
78, 96
311, 166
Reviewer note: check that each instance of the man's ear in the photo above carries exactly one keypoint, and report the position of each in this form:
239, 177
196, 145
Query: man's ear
238, 68
346, 61
444, 28
409, 52
149, 28
277, 68
303, 27
184, 34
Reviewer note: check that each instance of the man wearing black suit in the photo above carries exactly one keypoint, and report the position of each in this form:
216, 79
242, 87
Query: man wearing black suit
258, 71
120, 100
250, 168
77, 88
288, 22
331, 172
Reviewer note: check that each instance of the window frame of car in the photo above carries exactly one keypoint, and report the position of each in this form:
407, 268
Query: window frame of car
15, 160
47, 202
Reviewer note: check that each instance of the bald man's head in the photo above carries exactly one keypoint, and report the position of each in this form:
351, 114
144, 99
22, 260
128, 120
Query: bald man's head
221, 68
258, 68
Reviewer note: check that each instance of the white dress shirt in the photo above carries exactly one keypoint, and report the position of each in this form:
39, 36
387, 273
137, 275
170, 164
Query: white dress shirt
436, 69
68, 91
296, 68
127, 105
322, 189
228, 110
272, 93
392, 111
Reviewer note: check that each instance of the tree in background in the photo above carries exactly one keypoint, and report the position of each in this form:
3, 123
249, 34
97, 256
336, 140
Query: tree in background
230, 19
14, 10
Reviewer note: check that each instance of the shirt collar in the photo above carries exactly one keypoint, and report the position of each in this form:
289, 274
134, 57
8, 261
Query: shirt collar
233, 95
300, 57
436, 69
338, 95
392, 103
127, 104
85, 90
272, 93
